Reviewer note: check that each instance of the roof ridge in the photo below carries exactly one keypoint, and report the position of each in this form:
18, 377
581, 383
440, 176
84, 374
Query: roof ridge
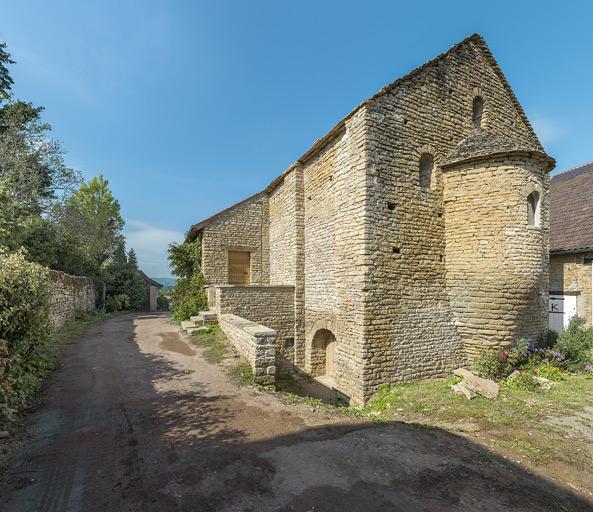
576, 168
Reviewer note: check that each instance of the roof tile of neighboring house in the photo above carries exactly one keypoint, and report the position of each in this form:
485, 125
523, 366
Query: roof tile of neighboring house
571, 210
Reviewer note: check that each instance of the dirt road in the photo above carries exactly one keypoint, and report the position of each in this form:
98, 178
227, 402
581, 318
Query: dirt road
136, 420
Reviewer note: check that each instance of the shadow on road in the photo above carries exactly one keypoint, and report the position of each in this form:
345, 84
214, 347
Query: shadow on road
108, 440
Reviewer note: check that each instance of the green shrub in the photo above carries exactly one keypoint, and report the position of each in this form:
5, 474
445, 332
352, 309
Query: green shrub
163, 303
576, 343
24, 327
550, 338
24, 308
522, 380
549, 371
497, 364
188, 298
119, 302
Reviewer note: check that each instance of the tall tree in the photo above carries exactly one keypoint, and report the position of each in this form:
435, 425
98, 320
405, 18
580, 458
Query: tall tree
33, 175
5, 78
92, 217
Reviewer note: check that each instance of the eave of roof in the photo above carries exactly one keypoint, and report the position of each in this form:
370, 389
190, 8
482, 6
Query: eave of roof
572, 172
558, 252
150, 281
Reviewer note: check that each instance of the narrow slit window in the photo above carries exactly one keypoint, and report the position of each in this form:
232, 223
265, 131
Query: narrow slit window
478, 111
426, 170
533, 207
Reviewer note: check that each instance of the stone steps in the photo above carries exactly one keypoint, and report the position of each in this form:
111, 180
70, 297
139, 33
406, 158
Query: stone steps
203, 318
210, 317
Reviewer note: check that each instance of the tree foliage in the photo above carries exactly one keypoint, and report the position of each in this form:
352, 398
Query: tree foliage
188, 297
6, 81
24, 327
91, 218
125, 288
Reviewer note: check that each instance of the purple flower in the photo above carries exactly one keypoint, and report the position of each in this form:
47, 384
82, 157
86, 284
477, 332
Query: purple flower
588, 367
555, 355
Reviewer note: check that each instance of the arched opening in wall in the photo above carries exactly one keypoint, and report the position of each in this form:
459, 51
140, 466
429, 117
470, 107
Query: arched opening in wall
533, 209
323, 354
426, 170
478, 111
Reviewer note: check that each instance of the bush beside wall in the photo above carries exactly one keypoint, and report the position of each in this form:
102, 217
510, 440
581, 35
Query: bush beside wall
33, 302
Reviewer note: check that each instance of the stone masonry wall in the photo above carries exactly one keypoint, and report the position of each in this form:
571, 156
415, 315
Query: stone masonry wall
496, 264
409, 329
69, 297
364, 241
335, 254
242, 228
271, 306
256, 343
570, 273
283, 206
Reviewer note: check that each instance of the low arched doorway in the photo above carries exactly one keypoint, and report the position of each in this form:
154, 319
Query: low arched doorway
323, 353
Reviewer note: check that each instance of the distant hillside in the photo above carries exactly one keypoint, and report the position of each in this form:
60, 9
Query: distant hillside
167, 282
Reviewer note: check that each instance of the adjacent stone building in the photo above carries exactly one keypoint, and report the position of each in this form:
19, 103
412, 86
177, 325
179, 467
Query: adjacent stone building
571, 246
405, 241
152, 290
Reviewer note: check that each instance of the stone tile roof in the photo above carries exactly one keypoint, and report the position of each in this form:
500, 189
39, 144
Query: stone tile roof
571, 210
481, 143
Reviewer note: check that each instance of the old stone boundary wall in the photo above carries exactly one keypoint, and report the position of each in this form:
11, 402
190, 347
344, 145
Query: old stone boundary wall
256, 343
271, 306
69, 296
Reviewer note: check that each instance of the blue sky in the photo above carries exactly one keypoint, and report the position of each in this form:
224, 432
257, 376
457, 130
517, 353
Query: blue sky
189, 106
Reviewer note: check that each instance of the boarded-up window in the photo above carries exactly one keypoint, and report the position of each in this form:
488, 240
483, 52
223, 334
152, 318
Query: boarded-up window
239, 267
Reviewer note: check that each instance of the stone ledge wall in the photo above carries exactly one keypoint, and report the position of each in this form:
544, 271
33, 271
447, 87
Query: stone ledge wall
272, 306
256, 343
69, 296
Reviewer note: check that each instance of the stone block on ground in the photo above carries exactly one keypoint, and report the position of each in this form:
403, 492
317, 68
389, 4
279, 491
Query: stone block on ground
461, 388
485, 387
188, 325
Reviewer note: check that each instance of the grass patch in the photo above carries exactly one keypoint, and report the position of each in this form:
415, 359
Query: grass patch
212, 340
72, 331
243, 373
307, 400
515, 423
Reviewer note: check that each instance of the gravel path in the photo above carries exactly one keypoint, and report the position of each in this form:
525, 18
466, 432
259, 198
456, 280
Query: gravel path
136, 420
